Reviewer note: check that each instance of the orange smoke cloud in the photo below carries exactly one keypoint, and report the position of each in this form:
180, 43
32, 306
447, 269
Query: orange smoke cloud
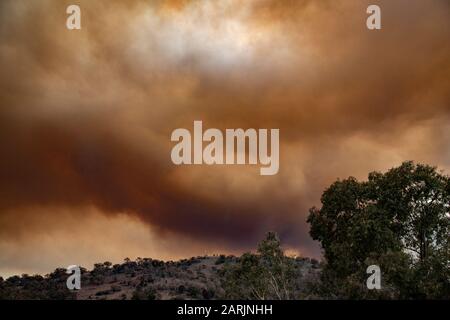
86, 115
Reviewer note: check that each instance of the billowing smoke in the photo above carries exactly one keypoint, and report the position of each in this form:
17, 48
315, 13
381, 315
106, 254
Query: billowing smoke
86, 115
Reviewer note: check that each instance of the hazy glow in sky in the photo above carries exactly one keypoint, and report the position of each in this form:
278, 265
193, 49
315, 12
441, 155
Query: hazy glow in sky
86, 118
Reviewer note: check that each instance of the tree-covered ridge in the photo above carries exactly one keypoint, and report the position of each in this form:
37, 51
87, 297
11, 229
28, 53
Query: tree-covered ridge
148, 279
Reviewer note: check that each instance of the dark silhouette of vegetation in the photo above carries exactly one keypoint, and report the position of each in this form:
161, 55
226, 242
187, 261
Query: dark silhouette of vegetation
51, 287
399, 221
268, 274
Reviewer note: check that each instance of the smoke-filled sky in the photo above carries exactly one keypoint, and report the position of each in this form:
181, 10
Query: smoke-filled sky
86, 117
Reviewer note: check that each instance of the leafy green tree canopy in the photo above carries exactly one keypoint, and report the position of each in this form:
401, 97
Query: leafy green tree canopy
399, 220
269, 274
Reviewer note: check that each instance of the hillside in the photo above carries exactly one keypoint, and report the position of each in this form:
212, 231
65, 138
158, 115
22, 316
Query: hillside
194, 278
